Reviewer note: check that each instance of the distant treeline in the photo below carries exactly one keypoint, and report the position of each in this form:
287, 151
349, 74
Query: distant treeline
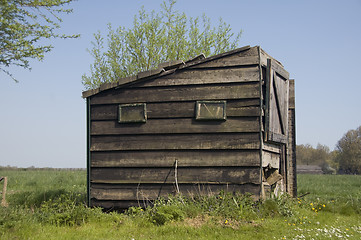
9, 168
344, 159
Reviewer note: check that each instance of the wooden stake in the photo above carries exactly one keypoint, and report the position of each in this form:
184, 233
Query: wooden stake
3, 201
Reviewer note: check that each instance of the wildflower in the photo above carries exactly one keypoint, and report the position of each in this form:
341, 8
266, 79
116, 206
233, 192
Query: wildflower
311, 204
225, 222
323, 205
313, 209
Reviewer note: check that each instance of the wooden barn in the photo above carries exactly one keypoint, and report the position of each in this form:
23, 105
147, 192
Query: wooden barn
225, 122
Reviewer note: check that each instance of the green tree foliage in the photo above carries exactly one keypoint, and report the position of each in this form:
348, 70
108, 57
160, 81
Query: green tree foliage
155, 37
349, 152
307, 155
23, 26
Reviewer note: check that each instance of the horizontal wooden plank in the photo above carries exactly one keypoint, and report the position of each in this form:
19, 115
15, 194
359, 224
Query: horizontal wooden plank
181, 93
176, 142
156, 175
243, 51
271, 147
195, 158
235, 108
179, 125
204, 76
270, 159
231, 61
143, 193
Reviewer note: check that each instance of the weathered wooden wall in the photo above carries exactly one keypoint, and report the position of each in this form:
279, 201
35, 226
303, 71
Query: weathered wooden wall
136, 162
253, 148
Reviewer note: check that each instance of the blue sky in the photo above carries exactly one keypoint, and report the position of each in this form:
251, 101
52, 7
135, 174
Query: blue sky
42, 118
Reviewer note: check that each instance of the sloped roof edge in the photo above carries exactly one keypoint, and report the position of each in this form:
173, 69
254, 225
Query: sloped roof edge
163, 69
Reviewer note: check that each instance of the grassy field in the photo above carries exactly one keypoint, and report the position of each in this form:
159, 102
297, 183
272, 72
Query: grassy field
50, 204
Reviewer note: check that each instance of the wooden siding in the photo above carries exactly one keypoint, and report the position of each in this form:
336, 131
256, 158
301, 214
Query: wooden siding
134, 163
235, 108
181, 93
127, 195
166, 158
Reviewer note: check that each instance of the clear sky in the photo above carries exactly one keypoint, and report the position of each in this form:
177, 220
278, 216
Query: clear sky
42, 118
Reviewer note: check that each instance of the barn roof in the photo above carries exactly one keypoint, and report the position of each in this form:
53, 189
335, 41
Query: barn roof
162, 70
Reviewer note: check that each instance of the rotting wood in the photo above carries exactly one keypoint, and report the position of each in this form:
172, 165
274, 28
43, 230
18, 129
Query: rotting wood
176, 142
273, 176
186, 158
182, 125
270, 159
183, 93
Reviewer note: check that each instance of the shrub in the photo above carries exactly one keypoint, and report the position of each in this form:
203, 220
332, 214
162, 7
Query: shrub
161, 214
64, 210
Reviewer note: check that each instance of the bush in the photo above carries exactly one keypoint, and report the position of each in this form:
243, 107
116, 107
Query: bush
159, 215
64, 210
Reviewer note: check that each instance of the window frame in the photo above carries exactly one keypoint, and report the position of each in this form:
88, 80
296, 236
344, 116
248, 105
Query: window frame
143, 107
202, 118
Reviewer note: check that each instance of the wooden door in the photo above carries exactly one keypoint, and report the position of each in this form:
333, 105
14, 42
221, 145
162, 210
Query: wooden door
277, 91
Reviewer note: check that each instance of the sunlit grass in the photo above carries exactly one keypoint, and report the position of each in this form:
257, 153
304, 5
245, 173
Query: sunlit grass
50, 204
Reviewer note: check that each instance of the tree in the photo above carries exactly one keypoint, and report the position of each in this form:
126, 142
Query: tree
23, 25
153, 39
349, 152
308, 155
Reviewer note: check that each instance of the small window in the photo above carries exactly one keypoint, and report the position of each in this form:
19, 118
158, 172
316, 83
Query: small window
211, 110
132, 113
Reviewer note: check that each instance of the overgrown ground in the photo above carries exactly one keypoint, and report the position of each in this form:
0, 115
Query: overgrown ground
50, 204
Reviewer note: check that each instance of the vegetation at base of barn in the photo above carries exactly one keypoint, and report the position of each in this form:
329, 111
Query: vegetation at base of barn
327, 208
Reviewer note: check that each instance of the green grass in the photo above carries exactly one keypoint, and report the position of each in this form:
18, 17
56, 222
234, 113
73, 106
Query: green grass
50, 204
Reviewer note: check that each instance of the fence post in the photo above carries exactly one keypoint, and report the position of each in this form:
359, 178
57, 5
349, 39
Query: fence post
3, 201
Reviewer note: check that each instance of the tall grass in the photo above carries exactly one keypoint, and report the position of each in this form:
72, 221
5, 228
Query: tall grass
51, 203
341, 193
31, 187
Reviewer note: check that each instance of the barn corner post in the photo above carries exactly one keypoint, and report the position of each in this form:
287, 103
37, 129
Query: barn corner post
262, 193
291, 153
88, 149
